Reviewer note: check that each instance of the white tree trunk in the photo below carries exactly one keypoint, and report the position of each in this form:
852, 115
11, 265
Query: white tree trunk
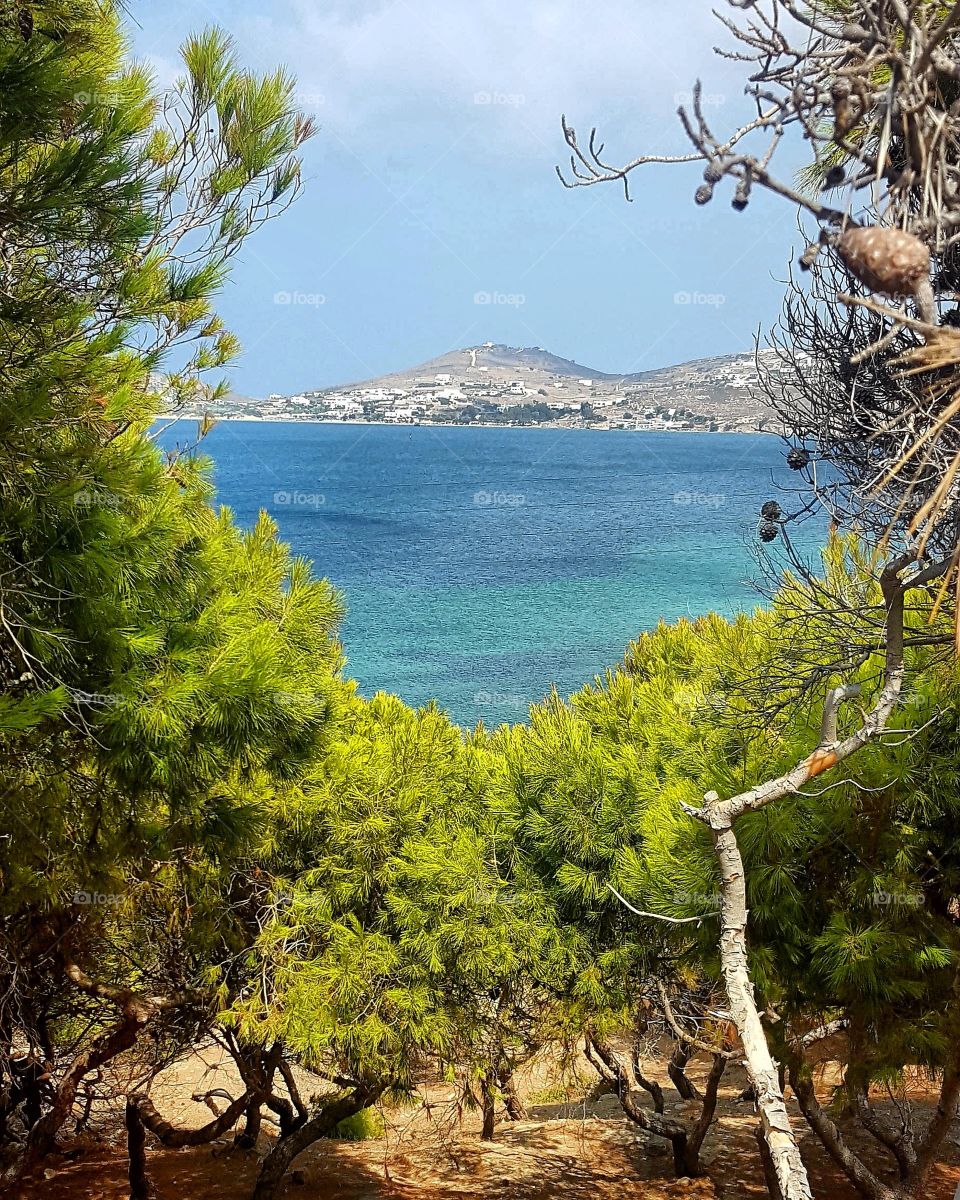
761, 1067
720, 815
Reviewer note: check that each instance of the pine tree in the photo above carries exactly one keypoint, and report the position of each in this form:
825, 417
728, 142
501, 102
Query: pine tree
847, 933
371, 935
159, 670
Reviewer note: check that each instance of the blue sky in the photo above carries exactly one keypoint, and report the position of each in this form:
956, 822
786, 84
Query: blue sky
432, 217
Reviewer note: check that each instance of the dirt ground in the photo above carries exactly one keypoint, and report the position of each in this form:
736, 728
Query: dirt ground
566, 1150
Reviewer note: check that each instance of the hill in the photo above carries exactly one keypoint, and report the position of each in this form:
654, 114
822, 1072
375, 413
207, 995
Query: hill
507, 385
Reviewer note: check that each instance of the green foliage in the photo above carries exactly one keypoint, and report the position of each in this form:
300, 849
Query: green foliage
392, 929
362, 884
194, 798
148, 648
364, 1125
161, 672
851, 882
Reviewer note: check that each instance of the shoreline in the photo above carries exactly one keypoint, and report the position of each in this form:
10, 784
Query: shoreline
288, 420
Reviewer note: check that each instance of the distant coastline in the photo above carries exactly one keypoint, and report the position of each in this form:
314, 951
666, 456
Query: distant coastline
504, 387
596, 428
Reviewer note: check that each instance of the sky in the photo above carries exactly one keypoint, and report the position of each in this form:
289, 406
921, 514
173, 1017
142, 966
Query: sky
432, 217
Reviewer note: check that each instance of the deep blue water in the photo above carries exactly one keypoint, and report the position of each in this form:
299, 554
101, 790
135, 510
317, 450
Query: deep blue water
480, 566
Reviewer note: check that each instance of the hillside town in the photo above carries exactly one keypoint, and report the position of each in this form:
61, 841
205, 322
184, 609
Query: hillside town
500, 385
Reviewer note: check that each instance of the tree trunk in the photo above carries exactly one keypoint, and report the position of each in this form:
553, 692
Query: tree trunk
648, 1085
761, 1068
719, 815
33, 1103
915, 1159
136, 1012
678, 1076
708, 1104
286, 1072
686, 1158
250, 1134
937, 1130
285, 1149
686, 1155
103, 1048
823, 1125
136, 1153
898, 1142
769, 1171
511, 1098
488, 1096
169, 1135
257, 1068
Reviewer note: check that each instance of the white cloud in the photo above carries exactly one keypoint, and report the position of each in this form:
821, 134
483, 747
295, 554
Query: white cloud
509, 67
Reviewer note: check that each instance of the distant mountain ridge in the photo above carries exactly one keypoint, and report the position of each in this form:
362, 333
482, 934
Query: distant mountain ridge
536, 358
498, 384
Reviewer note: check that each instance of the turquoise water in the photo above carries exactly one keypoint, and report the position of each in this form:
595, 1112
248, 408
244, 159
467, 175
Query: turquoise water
480, 566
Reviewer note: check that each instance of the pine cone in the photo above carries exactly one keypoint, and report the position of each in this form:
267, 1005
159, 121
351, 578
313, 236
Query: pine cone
888, 261
768, 531
798, 458
770, 511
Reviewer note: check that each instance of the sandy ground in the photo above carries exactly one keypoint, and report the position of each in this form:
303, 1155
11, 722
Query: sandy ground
573, 1150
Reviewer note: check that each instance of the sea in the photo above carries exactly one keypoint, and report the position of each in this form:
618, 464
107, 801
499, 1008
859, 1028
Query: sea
482, 567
